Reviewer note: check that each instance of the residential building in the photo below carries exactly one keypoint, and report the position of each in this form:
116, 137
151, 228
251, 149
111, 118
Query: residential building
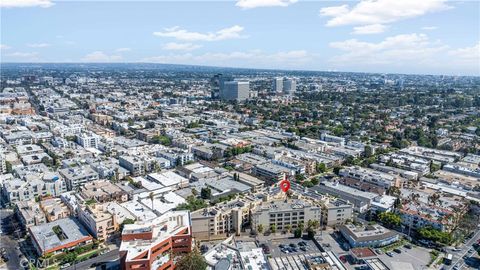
282, 214
78, 176
98, 221
58, 236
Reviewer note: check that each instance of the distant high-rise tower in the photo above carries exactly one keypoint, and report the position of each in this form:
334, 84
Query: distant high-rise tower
278, 85
235, 90
217, 82
289, 86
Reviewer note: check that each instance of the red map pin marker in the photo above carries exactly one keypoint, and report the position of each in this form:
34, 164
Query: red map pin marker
285, 185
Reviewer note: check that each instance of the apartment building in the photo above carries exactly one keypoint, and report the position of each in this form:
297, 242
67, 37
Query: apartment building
228, 217
336, 211
98, 221
29, 213
102, 191
54, 209
137, 165
88, 140
149, 245
283, 213
78, 176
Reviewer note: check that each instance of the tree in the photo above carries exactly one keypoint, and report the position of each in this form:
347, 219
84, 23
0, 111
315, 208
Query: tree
191, 261
430, 233
260, 228
206, 193
273, 228
310, 233
47, 161
297, 233
390, 219
368, 152
336, 170
321, 168
288, 227
151, 196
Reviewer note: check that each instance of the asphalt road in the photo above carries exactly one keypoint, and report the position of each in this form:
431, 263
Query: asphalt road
458, 255
12, 250
109, 256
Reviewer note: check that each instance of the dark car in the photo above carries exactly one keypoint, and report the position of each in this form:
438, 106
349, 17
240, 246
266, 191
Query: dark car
293, 245
408, 246
303, 248
397, 250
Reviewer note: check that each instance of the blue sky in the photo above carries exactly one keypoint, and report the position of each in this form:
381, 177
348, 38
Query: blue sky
394, 36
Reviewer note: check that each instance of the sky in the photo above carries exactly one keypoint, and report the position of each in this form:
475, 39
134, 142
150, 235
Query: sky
386, 36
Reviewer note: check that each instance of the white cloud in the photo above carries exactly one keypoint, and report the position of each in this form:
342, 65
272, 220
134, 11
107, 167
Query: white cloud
23, 56
407, 49
99, 56
4, 47
246, 4
182, 34
257, 58
38, 45
123, 50
467, 56
26, 3
429, 28
368, 12
173, 46
369, 29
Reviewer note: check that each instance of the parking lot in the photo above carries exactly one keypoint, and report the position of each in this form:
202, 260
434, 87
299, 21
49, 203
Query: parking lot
291, 246
417, 257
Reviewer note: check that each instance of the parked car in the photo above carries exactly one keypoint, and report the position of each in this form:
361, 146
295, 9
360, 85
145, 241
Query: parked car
293, 245
397, 250
408, 246
303, 248
390, 254
379, 251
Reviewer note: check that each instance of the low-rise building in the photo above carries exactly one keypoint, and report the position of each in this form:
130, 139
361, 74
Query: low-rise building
59, 236
368, 235
78, 176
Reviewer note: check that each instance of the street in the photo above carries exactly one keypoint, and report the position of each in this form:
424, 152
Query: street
12, 250
107, 257
458, 259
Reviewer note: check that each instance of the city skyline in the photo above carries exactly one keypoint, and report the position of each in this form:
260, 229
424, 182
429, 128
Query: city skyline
360, 36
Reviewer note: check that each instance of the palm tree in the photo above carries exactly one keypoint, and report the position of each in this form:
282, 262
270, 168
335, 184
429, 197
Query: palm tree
151, 196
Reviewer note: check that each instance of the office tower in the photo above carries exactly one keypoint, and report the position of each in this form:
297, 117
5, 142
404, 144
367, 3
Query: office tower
235, 90
217, 83
277, 85
289, 86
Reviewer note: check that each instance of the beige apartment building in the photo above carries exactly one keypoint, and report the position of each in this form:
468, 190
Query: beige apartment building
100, 223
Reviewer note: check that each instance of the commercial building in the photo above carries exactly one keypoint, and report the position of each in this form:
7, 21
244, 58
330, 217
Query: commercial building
289, 86
59, 236
149, 245
277, 86
361, 200
235, 90
368, 235
271, 171
374, 177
